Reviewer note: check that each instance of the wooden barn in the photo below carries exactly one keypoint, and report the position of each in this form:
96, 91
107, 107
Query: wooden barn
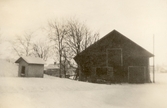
116, 59
30, 67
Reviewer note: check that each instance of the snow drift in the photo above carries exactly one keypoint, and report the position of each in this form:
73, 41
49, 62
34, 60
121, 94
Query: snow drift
8, 69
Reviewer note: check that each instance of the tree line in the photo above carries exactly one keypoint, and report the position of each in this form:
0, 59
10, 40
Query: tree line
65, 39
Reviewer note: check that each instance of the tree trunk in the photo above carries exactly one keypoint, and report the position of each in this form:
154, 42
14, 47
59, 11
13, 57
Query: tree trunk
60, 67
79, 72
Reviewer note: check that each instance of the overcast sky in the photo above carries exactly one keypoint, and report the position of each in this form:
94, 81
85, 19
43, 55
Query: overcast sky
138, 20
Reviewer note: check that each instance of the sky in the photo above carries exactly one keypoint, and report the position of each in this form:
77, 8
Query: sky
139, 20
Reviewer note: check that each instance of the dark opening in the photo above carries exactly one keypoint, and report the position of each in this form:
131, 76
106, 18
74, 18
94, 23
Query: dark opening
23, 71
101, 72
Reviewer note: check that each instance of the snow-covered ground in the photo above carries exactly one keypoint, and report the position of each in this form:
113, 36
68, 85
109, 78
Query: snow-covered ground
52, 92
8, 69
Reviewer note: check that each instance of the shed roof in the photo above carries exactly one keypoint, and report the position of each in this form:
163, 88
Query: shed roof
31, 60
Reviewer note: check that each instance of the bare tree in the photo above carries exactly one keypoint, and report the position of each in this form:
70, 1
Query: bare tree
64, 62
79, 38
22, 45
57, 34
70, 38
67, 56
42, 49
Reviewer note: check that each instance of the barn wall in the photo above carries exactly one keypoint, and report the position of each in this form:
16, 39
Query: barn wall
121, 72
35, 70
23, 63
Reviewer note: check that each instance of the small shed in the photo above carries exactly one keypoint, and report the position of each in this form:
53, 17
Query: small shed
114, 58
30, 67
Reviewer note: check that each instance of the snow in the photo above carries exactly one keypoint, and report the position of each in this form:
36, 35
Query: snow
54, 92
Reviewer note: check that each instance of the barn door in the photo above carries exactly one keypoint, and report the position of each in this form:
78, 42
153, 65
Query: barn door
136, 74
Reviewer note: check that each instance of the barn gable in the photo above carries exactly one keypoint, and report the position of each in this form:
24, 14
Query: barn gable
115, 40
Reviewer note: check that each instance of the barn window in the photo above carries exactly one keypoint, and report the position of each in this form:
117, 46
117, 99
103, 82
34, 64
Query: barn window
101, 72
104, 73
23, 70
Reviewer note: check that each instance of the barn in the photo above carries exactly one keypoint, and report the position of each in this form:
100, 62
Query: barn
30, 67
116, 59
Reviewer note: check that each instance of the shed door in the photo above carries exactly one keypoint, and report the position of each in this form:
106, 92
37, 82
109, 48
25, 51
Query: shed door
136, 74
23, 71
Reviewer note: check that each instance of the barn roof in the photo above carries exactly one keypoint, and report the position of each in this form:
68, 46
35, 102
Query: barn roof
31, 60
116, 37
